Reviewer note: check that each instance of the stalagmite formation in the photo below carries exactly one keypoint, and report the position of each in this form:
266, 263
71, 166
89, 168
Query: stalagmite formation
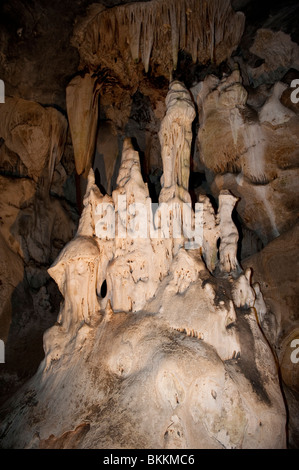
210, 233
228, 233
175, 138
166, 353
242, 292
76, 273
160, 332
82, 110
259, 303
141, 258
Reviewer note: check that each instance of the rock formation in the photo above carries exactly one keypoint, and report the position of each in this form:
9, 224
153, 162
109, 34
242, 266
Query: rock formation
273, 271
228, 233
257, 155
82, 109
29, 130
166, 333
139, 30
148, 224
175, 139
35, 225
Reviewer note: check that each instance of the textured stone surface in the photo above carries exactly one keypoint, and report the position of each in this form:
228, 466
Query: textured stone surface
186, 344
34, 226
133, 33
275, 268
194, 400
36, 134
251, 149
82, 109
257, 159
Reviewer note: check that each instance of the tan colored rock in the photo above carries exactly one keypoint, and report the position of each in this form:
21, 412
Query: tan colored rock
210, 233
11, 274
165, 337
175, 138
193, 398
140, 261
273, 110
221, 121
242, 292
36, 134
15, 194
82, 110
256, 160
228, 233
154, 32
279, 52
275, 268
259, 303
76, 273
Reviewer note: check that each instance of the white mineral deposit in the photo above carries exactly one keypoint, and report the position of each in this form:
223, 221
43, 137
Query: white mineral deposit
149, 226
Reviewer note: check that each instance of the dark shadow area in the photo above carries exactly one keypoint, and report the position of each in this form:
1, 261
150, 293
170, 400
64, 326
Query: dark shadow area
98, 179
32, 315
42, 227
103, 290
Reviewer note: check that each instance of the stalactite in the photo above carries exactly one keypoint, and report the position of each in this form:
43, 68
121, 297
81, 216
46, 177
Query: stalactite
148, 39
57, 139
182, 24
82, 110
134, 34
161, 28
175, 37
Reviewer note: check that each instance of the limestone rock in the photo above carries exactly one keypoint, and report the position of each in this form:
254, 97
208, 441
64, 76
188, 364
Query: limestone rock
142, 28
15, 195
175, 138
210, 233
275, 268
36, 134
182, 380
76, 273
256, 160
259, 303
11, 274
243, 293
82, 110
279, 52
169, 337
140, 261
143, 322
273, 110
228, 233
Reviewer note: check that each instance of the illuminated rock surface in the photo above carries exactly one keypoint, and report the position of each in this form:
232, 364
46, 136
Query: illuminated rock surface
182, 344
185, 341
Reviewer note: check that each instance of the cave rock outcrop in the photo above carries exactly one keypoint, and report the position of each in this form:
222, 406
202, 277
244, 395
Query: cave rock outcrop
167, 354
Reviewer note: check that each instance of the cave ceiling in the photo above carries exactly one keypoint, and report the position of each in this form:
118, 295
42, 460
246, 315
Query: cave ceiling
37, 59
